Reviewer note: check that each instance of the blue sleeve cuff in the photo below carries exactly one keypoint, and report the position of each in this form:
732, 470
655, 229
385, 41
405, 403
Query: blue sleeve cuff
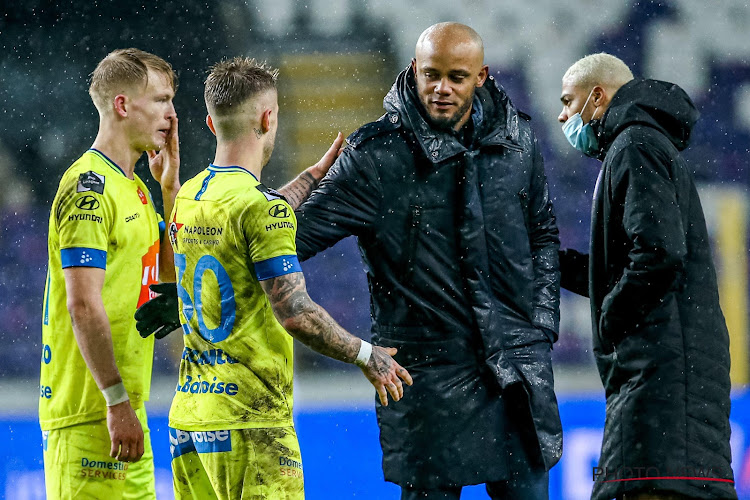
83, 257
277, 266
162, 226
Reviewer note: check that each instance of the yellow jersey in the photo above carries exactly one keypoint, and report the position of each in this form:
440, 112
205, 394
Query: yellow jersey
228, 233
99, 218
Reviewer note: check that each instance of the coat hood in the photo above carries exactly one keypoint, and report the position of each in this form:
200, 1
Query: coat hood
653, 103
495, 118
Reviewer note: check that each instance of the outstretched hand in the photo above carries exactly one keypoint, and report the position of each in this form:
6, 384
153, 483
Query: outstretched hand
320, 169
385, 374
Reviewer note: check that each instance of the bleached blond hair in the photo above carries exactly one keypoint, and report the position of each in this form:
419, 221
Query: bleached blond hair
599, 69
125, 70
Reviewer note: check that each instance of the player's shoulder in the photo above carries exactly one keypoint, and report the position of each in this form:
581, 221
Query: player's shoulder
89, 174
265, 205
389, 122
265, 194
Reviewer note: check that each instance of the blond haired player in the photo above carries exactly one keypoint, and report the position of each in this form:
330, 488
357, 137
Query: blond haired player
241, 290
104, 251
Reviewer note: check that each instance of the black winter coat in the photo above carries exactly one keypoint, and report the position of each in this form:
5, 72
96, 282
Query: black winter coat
460, 246
660, 340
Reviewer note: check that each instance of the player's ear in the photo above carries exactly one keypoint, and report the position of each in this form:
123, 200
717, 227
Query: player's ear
120, 105
210, 123
265, 120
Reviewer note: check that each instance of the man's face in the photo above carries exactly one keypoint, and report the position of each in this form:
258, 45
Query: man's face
447, 77
151, 112
573, 98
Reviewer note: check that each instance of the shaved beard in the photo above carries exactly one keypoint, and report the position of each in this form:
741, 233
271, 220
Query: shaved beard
448, 123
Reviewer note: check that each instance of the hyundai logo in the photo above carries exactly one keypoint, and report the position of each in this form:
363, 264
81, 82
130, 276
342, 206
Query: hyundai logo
87, 202
280, 211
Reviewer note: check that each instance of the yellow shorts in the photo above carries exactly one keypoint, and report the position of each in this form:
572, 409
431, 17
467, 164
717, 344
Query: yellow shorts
243, 463
77, 465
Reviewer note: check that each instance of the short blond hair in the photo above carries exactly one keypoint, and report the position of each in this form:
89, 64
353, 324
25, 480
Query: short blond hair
123, 70
599, 69
232, 82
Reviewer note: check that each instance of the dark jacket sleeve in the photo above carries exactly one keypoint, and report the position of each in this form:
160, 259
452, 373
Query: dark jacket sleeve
545, 242
574, 271
642, 185
345, 203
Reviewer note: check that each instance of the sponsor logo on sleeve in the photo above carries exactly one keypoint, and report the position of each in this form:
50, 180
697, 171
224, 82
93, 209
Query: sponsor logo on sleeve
90, 181
279, 225
82, 217
87, 202
279, 211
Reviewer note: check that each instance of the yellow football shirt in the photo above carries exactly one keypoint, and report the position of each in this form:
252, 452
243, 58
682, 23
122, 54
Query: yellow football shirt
99, 218
229, 232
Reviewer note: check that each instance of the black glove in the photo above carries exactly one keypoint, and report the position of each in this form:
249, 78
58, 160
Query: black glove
159, 315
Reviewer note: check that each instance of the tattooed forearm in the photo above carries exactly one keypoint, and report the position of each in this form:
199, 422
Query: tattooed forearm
307, 321
297, 191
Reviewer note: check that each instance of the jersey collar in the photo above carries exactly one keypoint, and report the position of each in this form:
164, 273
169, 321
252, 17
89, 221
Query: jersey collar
232, 168
112, 165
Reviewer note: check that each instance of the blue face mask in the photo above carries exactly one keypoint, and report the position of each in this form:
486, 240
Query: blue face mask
581, 136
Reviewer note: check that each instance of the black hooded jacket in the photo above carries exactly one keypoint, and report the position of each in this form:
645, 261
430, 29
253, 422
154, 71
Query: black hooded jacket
460, 245
660, 339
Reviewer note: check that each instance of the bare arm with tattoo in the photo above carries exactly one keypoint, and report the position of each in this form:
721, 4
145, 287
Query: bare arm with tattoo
313, 326
297, 191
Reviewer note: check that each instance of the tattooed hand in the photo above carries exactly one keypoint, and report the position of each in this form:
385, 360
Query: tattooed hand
313, 326
385, 374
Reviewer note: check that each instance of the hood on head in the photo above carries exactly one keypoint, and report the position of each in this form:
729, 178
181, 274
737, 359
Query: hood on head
653, 103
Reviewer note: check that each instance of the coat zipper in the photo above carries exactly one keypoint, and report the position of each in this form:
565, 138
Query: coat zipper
411, 242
